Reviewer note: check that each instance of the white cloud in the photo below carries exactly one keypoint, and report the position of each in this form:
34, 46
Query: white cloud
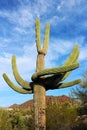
22, 17
41, 7
71, 3
83, 53
56, 19
25, 15
4, 42
27, 62
68, 4
4, 67
20, 30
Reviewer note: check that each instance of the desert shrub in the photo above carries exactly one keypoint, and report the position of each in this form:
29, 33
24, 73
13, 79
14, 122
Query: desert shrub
16, 119
80, 92
82, 110
21, 119
4, 120
61, 116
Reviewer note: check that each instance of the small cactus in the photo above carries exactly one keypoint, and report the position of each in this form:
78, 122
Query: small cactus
44, 79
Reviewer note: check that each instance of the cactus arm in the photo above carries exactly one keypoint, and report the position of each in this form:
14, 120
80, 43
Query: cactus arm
14, 87
18, 78
63, 85
72, 59
46, 39
37, 28
56, 70
69, 84
73, 56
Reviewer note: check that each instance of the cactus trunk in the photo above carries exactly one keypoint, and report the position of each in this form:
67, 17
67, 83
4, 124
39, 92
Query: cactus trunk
39, 98
39, 107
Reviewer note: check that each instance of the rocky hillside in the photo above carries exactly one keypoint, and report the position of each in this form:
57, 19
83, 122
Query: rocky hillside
49, 101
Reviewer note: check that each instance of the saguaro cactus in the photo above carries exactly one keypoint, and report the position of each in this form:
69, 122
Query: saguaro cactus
44, 79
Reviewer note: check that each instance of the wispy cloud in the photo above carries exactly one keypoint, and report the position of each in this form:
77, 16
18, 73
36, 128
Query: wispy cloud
69, 5
22, 17
83, 52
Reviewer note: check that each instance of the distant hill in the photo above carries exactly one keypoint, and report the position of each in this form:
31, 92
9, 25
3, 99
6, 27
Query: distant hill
49, 101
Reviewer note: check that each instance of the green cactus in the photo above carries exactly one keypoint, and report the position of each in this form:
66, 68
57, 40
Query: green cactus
44, 79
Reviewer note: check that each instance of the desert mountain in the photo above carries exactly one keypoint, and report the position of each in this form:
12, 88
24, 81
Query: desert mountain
49, 101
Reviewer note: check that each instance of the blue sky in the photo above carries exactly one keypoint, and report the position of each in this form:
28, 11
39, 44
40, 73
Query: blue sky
68, 21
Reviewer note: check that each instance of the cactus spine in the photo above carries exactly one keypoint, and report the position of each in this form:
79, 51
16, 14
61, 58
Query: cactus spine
44, 79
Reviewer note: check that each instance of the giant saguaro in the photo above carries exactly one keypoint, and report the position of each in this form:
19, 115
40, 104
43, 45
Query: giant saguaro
44, 79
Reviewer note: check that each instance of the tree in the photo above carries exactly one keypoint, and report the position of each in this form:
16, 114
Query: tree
81, 94
44, 79
81, 91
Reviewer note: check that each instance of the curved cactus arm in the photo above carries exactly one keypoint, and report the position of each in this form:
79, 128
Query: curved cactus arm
18, 78
37, 28
46, 39
56, 70
14, 87
73, 56
72, 59
68, 84
64, 85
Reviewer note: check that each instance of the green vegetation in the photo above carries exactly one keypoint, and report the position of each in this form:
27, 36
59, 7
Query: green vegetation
60, 116
16, 120
4, 120
81, 91
80, 94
